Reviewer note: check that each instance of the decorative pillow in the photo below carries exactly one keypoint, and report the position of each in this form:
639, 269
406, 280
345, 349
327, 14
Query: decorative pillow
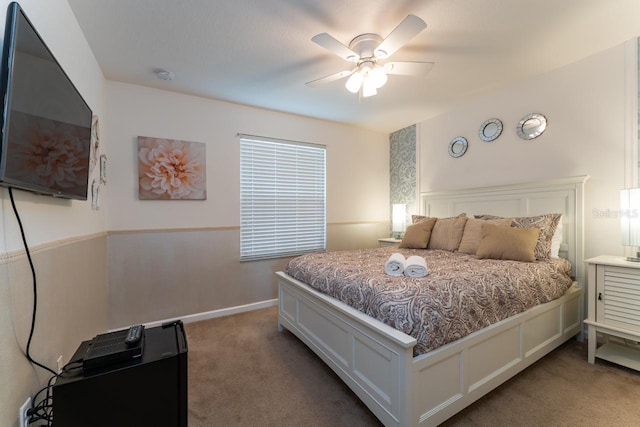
473, 233
447, 233
415, 219
547, 224
417, 236
505, 242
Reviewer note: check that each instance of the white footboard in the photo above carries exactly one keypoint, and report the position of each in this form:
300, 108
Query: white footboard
467, 369
373, 359
376, 361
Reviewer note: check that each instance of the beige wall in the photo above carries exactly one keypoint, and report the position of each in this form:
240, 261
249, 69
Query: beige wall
72, 307
585, 106
357, 159
158, 267
156, 275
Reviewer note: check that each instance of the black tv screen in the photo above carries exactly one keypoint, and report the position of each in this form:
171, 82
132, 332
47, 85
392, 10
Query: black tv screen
46, 124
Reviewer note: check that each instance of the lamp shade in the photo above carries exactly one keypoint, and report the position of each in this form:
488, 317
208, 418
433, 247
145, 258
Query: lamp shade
630, 216
398, 218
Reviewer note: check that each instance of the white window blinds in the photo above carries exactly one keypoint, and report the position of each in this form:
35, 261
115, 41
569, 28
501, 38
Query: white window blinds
282, 198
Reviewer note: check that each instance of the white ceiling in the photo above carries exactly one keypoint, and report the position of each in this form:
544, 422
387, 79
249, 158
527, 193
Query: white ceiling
260, 53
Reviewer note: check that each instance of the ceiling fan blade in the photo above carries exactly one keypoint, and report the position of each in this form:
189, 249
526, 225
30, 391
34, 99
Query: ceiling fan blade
330, 78
408, 68
329, 43
405, 31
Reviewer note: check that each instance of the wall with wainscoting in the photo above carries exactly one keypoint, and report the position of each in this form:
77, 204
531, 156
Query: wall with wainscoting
171, 259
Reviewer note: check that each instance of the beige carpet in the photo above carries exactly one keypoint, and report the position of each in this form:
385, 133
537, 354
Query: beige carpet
243, 372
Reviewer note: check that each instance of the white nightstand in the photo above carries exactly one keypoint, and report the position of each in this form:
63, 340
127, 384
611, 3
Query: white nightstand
389, 241
613, 295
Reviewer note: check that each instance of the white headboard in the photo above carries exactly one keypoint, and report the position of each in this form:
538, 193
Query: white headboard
565, 196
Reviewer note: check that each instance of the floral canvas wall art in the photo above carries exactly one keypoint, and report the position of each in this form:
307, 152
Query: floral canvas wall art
170, 169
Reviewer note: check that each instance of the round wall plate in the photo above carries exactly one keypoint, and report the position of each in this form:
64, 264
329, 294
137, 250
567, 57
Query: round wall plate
490, 130
458, 146
532, 126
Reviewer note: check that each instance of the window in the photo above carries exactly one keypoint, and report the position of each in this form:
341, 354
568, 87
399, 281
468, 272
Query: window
282, 198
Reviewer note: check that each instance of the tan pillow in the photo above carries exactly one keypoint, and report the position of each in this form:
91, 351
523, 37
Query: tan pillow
473, 233
504, 242
417, 235
547, 224
447, 233
415, 219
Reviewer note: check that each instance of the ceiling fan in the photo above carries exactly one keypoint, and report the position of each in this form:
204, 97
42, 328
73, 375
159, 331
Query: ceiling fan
368, 51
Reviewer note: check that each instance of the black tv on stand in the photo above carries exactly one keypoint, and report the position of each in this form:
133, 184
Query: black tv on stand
150, 390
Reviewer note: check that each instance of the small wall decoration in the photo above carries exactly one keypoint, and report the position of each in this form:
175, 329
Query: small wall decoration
103, 169
458, 146
532, 126
95, 195
170, 169
490, 130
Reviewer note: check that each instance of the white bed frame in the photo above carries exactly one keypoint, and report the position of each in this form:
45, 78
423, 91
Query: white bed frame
376, 361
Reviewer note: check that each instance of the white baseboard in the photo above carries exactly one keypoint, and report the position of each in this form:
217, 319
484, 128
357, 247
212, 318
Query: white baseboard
217, 313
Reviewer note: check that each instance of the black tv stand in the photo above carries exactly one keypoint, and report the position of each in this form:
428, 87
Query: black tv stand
147, 391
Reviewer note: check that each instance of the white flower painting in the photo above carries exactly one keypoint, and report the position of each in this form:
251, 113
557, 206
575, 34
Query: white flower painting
170, 169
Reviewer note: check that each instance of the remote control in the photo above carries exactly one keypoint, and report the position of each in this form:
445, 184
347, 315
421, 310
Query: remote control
134, 334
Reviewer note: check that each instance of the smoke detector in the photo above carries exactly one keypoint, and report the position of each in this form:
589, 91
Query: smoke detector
165, 75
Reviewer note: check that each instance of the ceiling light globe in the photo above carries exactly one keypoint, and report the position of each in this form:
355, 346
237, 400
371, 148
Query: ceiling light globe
354, 82
368, 88
377, 76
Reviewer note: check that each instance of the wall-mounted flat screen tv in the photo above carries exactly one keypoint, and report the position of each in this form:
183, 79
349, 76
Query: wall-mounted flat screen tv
46, 124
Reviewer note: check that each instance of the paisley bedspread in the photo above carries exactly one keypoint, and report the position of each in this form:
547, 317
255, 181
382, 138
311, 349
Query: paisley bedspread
460, 295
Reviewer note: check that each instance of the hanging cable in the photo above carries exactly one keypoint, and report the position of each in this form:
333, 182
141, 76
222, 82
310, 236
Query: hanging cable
35, 288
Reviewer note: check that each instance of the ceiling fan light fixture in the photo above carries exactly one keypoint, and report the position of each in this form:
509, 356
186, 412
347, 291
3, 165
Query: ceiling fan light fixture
354, 82
377, 76
368, 88
365, 50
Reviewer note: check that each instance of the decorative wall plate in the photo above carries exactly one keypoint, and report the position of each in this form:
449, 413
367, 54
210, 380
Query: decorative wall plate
490, 130
458, 146
532, 126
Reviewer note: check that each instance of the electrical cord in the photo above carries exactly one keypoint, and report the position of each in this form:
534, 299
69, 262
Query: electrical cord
35, 287
43, 411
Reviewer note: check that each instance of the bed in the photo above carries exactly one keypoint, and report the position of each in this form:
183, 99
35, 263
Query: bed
404, 387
